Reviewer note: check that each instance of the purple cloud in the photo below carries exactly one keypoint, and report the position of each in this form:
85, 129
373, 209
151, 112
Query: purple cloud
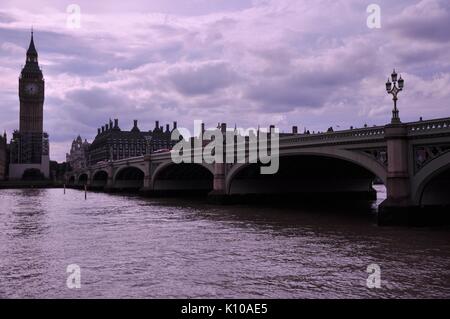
204, 78
428, 20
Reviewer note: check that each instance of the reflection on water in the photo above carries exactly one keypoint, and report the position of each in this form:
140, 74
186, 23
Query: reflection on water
155, 248
29, 217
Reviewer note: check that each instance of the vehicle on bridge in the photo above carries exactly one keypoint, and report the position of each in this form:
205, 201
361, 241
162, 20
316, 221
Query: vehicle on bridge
163, 150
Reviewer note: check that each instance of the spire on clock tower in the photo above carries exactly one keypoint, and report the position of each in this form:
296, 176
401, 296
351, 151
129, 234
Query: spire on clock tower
31, 68
32, 54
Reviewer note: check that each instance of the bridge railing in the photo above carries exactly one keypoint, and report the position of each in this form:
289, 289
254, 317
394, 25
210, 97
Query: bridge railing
367, 133
430, 126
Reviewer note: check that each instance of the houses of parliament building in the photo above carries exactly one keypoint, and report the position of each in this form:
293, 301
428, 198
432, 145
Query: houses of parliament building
112, 143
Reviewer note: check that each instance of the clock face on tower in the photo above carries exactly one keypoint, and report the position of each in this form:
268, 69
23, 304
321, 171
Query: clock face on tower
31, 89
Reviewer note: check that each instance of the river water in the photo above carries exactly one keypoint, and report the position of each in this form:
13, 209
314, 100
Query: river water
166, 248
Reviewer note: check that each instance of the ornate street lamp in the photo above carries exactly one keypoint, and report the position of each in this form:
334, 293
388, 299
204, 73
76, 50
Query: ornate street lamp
394, 88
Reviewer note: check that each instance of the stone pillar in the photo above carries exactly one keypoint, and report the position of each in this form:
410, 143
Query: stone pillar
219, 178
398, 206
147, 188
219, 168
110, 181
219, 193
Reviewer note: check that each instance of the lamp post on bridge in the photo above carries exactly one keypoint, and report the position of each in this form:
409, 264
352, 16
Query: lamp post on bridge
398, 205
394, 88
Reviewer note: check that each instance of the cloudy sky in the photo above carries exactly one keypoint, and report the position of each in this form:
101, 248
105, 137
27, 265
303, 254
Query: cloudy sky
311, 63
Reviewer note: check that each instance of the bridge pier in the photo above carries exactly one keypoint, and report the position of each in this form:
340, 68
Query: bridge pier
147, 188
219, 193
398, 208
109, 187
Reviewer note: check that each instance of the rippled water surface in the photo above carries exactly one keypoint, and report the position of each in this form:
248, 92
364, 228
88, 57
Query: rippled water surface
150, 248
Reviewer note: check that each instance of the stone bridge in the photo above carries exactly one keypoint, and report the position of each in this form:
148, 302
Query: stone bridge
411, 159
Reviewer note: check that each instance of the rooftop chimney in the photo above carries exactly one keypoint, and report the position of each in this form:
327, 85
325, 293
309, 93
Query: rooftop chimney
98, 131
106, 127
223, 127
103, 129
294, 129
135, 123
174, 125
116, 123
157, 124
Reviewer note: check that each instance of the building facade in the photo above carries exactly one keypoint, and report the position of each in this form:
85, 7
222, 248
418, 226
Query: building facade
29, 148
112, 143
3, 157
78, 157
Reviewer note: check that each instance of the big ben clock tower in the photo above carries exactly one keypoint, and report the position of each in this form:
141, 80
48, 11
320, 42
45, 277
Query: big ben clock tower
31, 93
29, 145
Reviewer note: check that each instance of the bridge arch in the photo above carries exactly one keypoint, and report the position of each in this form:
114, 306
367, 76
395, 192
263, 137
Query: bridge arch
357, 158
119, 169
184, 177
99, 178
431, 185
163, 166
361, 168
129, 177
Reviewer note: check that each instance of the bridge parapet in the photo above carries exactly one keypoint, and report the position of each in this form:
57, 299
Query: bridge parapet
427, 127
363, 134
123, 161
